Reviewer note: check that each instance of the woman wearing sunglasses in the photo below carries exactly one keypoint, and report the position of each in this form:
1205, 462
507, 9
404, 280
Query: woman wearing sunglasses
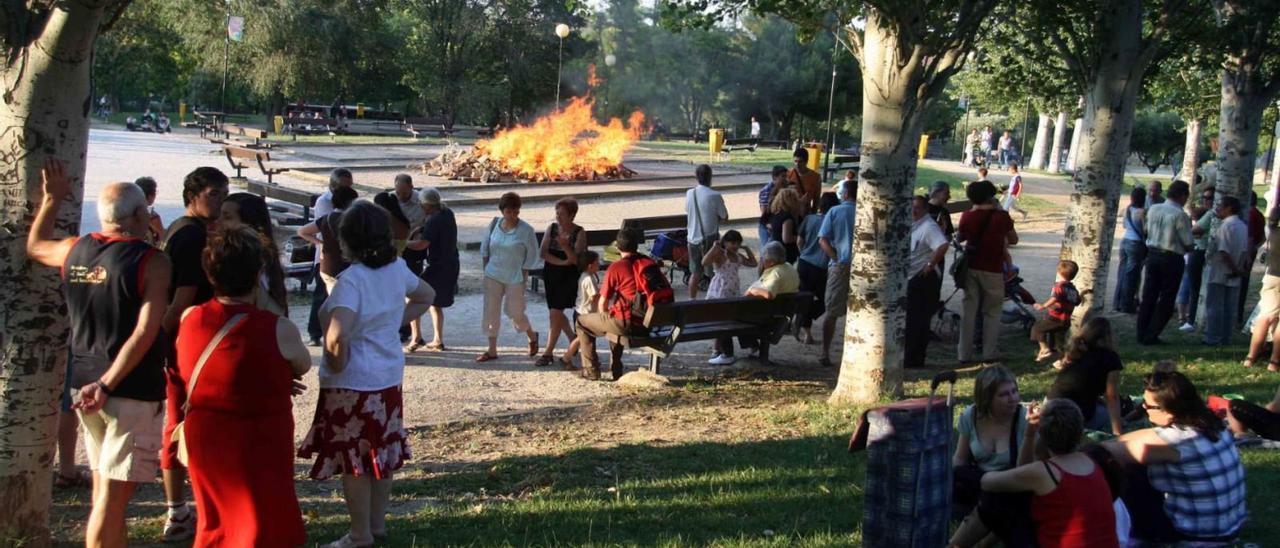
1185, 480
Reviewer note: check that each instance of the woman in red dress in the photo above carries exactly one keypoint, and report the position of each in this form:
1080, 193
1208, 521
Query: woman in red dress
239, 426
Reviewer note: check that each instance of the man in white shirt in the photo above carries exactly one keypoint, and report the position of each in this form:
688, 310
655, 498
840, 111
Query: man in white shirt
924, 288
755, 128
409, 204
1226, 268
704, 209
324, 206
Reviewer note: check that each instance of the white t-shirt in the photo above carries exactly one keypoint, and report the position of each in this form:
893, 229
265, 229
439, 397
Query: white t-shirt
377, 296
755, 129
926, 237
588, 291
712, 210
324, 206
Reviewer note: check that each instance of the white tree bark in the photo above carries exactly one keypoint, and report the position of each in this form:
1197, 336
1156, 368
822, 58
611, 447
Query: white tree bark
1055, 152
1239, 124
1038, 158
1191, 153
1103, 149
1274, 183
43, 112
1073, 153
897, 83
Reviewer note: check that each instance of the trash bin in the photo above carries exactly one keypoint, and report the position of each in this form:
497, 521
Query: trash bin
924, 146
715, 140
815, 155
182, 112
279, 124
359, 110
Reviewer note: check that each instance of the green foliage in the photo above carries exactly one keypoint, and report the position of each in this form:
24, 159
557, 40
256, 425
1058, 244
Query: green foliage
1156, 137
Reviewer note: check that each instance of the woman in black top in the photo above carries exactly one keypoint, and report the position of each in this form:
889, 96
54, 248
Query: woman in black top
786, 209
1090, 376
561, 244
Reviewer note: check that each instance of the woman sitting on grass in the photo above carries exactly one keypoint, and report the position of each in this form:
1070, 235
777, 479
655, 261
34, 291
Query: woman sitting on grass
1061, 501
1185, 480
1090, 376
990, 434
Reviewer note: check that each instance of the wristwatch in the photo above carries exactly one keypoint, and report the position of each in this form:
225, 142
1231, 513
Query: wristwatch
103, 387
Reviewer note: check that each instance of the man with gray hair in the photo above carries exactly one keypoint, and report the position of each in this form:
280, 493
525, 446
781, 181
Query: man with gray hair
777, 277
339, 177
117, 290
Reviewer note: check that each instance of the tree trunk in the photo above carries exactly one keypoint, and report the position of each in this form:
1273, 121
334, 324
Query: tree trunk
1274, 181
1191, 153
1059, 134
1042, 142
1239, 124
1074, 152
892, 120
45, 113
1104, 146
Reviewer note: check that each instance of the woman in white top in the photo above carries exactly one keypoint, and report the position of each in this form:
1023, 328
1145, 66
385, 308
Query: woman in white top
358, 430
1133, 251
510, 250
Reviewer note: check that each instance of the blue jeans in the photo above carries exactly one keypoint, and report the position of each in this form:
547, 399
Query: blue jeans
1129, 277
1220, 303
763, 231
1189, 291
318, 295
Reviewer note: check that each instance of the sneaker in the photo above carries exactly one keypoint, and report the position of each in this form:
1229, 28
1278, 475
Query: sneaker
180, 529
1186, 328
722, 360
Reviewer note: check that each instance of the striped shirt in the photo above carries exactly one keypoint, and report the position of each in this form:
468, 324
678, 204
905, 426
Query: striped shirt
1168, 228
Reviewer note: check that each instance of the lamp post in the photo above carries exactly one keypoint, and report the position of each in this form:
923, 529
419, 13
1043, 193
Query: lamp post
562, 31
226, 59
831, 104
609, 61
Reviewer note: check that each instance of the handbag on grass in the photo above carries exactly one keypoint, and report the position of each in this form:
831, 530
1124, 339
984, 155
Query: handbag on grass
178, 435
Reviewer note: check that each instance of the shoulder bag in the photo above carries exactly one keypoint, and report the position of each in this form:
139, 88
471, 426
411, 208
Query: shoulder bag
960, 267
178, 435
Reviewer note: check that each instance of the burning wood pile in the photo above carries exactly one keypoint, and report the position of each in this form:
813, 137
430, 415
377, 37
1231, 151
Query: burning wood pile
568, 145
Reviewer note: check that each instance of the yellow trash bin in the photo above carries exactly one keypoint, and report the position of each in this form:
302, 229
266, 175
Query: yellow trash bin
815, 155
715, 140
279, 123
359, 110
182, 112
924, 146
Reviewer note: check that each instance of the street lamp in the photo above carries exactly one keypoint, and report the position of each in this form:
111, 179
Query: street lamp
609, 61
831, 104
562, 31
226, 59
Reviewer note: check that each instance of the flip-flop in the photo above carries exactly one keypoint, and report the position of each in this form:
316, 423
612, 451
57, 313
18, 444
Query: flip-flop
567, 364
1248, 361
434, 347
486, 357
543, 360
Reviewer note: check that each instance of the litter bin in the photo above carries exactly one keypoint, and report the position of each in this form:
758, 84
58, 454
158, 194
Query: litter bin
715, 140
182, 112
279, 124
359, 110
815, 155
924, 146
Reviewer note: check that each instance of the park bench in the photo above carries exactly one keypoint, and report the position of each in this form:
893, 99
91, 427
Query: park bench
731, 145
652, 227
290, 209
839, 163
595, 238
667, 325
416, 126
208, 122
247, 132
239, 157
305, 125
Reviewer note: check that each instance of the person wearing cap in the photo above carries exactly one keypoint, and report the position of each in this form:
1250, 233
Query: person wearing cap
440, 232
985, 230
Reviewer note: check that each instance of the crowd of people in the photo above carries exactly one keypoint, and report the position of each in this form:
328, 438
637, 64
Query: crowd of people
155, 308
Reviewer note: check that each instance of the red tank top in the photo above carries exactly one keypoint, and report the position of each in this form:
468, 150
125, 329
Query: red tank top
1078, 513
245, 375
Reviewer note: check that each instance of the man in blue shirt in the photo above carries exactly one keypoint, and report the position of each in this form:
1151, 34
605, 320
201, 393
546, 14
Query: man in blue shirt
836, 238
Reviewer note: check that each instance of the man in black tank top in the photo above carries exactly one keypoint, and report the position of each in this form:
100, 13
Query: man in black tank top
202, 193
117, 289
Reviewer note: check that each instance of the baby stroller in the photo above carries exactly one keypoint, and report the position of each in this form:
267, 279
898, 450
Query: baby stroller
673, 249
1013, 309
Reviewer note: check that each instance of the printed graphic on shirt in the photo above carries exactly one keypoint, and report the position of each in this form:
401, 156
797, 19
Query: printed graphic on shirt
78, 274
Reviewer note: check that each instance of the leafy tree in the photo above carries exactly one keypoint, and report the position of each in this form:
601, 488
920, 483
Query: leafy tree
1248, 36
135, 61
1156, 137
1187, 85
442, 40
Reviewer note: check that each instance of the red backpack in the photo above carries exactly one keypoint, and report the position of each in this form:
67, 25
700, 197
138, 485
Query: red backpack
652, 287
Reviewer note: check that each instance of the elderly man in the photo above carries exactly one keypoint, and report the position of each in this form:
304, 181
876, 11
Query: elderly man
777, 277
339, 177
1168, 238
1155, 193
939, 195
117, 289
928, 249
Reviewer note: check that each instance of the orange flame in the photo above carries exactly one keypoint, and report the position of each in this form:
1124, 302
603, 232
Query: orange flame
565, 145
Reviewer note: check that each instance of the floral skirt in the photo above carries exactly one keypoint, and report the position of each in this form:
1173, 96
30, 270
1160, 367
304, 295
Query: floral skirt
357, 433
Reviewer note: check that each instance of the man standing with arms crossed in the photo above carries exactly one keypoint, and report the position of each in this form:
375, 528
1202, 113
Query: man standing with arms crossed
117, 288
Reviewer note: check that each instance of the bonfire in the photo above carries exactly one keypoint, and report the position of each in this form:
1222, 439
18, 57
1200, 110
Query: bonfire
567, 145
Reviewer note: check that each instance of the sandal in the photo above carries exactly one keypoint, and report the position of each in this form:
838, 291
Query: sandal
347, 542
486, 357
533, 345
543, 360
434, 347
1273, 366
1248, 361
1044, 356
81, 479
567, 364
414, 347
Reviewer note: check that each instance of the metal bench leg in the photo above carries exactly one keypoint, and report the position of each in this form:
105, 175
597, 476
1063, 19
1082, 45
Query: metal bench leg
655, 362
764, 351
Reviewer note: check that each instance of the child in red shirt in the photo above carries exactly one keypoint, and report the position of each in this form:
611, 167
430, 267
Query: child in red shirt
1062, 302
